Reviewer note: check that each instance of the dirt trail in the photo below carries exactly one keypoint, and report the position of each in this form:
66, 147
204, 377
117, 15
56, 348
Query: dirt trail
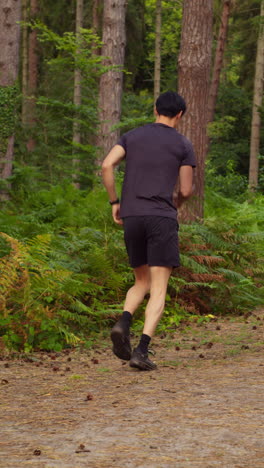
203, 407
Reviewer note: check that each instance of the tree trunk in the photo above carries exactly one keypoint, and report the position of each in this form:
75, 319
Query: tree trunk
32, 74
257, 101
96, 25
194, 76
24, 56
218, 61
10, 15
157, 50
77, 94
111, 82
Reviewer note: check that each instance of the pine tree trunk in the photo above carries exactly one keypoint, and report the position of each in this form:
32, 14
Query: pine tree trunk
194, 65
24, 57
96, 24
157, 50
111, 82
77, 95
218, 61
10, 15
32, 74
257, 101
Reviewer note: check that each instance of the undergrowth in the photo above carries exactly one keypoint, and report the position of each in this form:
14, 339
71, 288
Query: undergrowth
64, 270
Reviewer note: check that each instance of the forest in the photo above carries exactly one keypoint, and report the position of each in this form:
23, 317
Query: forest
76, 74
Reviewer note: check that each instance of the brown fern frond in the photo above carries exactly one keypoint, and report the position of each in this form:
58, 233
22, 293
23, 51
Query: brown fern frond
13, 273
206, 277
203, 307
208, 259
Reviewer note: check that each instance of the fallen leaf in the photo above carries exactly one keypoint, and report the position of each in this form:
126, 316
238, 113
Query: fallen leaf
37, 452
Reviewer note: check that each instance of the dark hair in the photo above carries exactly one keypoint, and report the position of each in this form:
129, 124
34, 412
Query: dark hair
170, 104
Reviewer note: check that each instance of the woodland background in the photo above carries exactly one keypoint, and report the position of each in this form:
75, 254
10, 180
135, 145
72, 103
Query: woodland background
74, 74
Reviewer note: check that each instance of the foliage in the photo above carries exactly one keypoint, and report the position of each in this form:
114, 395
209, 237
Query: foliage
55, 111
58, 282
64, 270
8, 103
140, 49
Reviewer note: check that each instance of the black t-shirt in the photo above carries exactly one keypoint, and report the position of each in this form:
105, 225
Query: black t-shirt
154, 154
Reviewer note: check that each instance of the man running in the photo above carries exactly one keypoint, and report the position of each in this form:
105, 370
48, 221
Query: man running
157, 156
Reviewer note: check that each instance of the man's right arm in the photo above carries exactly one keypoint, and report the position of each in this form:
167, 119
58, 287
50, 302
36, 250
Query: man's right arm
113, 158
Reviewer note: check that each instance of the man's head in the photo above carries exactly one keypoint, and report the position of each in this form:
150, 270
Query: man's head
170, 104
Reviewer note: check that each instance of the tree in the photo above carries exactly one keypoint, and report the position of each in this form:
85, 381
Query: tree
96, 23
33, 60
218, 60
10, 14
257, 101
77, 93
24, 57
157, 50
111, 81
194, 65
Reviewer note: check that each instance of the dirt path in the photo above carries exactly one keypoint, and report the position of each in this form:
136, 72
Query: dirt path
203, 407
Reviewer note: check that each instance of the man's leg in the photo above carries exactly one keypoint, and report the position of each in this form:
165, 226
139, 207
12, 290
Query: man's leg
136, 294
155, 306
134, 297
159, 277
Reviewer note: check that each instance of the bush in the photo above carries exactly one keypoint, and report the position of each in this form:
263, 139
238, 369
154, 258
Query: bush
64, 270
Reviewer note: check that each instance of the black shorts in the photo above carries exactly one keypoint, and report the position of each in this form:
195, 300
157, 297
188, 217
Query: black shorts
151, 240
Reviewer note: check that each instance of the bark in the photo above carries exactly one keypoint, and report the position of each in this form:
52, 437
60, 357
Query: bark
157, 50
77, 95
24, 56
257, 101
110, 91
218, 61
10, 15
96, 24
194, 76
32, 74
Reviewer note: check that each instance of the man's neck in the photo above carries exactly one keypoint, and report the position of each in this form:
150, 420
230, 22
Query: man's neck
163, 119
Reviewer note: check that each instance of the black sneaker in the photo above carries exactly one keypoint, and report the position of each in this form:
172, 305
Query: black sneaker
121, 342
141, 361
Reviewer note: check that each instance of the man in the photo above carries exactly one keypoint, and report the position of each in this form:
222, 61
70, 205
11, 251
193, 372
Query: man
156, 157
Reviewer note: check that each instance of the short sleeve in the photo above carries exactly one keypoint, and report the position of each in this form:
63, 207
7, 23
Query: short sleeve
189, 156
122, 141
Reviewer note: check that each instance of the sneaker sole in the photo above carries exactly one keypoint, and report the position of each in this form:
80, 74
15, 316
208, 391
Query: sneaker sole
121, 345
142, 365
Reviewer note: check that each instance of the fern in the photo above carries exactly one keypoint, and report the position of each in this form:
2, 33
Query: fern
66, 276
192, 264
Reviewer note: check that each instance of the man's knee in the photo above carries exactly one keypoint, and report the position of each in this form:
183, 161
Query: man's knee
143, 284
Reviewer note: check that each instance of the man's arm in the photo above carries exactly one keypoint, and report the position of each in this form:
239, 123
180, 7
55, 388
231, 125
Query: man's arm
185, 184
113, 158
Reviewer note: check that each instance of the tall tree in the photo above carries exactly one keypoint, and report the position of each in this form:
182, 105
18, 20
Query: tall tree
157, 50
77, 94
32, 73
194, 65
24, 57
218, 60
96, 23
257, 101
10, 15
111, 81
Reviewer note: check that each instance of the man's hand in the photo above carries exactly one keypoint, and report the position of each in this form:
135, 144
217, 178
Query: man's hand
116, 214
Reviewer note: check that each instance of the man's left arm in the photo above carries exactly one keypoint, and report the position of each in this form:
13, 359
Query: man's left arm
185, 184
112, 160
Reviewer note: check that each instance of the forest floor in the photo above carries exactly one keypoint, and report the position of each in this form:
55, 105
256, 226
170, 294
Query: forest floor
203, 407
